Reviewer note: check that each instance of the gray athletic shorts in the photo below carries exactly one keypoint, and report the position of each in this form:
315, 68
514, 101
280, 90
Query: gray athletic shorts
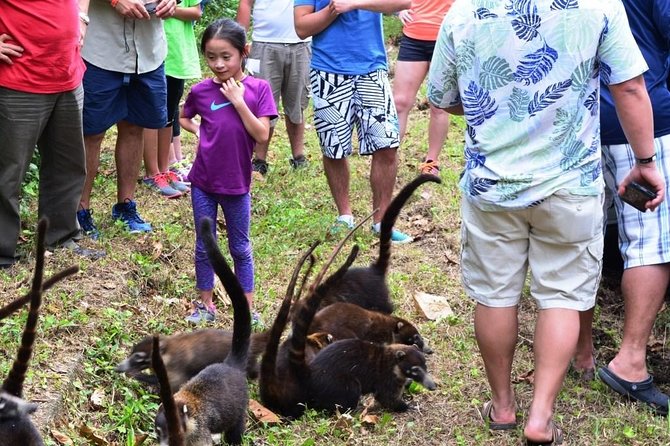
286, 67
342, 102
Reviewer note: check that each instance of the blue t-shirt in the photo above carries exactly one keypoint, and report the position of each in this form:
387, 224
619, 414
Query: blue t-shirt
649, 21
352, 44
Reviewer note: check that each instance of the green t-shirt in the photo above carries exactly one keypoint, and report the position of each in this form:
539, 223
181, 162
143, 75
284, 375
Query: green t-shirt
182, 61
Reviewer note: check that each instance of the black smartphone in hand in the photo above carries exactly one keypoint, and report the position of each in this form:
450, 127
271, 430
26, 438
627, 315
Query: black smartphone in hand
637, 196
151, 7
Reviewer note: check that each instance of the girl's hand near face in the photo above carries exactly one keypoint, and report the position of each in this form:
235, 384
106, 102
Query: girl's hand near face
233, 91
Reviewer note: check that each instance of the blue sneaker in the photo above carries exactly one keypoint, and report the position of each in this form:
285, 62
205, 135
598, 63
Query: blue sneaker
397, 237
400, 237
127, 213
86, 223
201, 314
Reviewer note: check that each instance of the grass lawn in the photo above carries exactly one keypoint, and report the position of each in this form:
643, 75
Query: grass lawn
145, 284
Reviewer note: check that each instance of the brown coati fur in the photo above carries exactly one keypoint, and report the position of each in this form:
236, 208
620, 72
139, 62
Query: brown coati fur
343, 320
175, 433
186, 354
366, 286
216, 399
345, 370
315, 343
16, 428
276, 380
283, 382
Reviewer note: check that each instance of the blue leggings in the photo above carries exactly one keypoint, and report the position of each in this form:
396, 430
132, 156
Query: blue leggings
237, 213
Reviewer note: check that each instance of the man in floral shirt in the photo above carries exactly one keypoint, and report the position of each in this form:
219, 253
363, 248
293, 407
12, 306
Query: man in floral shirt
526, 73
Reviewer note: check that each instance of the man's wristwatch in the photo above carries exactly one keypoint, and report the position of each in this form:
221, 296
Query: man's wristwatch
651, 159
84, 18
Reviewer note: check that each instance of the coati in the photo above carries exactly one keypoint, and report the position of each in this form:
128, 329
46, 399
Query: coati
279, 389
186, 354
16, 428
366, 286
345, 370
175, 433
283, 382
344, 320
216, 399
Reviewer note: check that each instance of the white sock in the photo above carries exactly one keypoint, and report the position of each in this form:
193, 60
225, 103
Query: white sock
348, 219
377, 227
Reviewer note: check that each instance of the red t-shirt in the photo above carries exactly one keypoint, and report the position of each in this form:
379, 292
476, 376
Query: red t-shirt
48, 31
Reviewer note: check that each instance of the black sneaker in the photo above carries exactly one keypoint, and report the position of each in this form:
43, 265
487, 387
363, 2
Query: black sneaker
298, 162
260, 166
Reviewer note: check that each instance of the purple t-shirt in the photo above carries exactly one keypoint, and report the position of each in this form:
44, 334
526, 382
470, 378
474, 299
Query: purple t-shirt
223, 162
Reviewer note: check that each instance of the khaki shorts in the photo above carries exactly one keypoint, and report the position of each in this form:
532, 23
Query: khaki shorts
286, 67
558, 242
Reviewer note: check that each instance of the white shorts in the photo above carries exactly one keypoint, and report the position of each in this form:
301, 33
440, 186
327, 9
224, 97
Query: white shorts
644, 238
559, 241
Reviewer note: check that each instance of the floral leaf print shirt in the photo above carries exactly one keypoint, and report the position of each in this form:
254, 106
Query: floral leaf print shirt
527, 74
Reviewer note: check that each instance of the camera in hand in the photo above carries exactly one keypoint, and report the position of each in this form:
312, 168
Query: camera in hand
150, 7
637, 196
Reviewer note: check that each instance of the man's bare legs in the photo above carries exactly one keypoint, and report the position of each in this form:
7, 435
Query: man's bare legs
556, 333
383, 170
584, 359
92, 144
496, 330
643, 290
128, 157
337, 174
156, 153
296, 137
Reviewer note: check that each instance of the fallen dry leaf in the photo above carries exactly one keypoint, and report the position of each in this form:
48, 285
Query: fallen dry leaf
528, 377
91, 436
97, 398
262, 414
61, 438
370, 419
344, 421
140, 439
157, 251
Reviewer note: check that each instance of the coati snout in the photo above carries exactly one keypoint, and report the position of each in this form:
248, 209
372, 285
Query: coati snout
406, 333
14, 407
413, 366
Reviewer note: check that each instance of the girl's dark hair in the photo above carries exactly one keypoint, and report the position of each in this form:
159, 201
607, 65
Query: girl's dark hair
225, 29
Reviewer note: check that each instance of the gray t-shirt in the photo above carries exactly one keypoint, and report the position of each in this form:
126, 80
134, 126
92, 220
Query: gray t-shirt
116, 43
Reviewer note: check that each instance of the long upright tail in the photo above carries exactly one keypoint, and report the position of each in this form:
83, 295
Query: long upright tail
14, 382
270, 356
303, 317
306, 311
241, 312
51, 281
390, 217
175, 431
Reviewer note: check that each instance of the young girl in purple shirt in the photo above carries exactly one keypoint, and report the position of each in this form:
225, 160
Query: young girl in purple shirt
235, 112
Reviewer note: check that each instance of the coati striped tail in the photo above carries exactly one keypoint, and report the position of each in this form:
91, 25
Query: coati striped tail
242, 314
175, 432
391, 215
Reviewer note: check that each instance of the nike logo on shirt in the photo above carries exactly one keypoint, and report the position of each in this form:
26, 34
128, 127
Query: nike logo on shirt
216, 106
